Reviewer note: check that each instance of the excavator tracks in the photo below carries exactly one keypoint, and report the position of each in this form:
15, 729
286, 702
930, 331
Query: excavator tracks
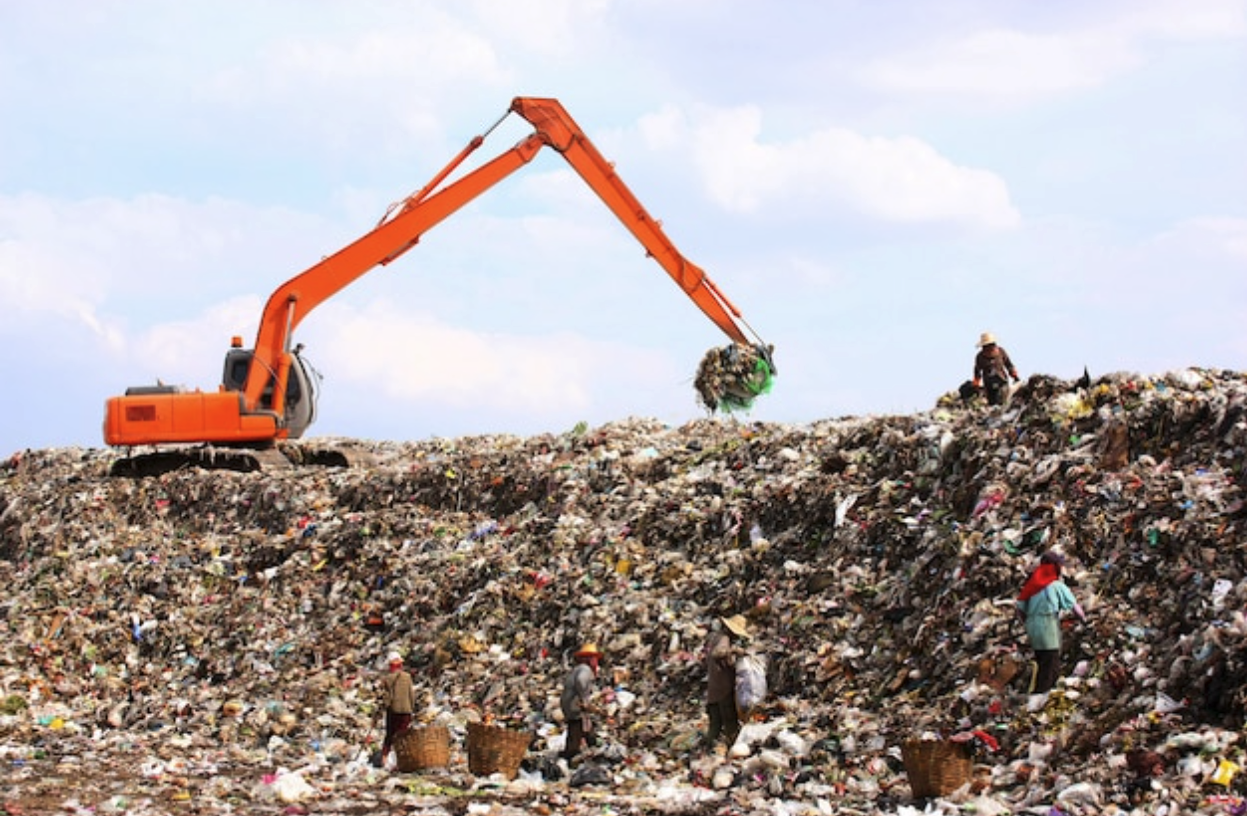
278, 458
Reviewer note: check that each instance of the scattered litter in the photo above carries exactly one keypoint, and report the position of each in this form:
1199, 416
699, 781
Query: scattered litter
211, 641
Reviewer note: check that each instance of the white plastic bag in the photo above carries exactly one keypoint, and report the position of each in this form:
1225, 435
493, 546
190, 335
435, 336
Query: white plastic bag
292, 787
750, 683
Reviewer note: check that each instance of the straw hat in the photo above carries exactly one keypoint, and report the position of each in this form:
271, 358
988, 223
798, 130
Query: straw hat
588, 650
986, 339
737, 625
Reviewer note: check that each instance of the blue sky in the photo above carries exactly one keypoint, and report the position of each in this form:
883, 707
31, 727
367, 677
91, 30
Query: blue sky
872, 183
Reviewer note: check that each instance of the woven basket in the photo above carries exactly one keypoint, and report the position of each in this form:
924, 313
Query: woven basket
419, 748
494, 749
936, 767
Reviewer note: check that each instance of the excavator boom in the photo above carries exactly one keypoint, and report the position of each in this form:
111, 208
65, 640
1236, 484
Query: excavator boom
268, 394
561, 133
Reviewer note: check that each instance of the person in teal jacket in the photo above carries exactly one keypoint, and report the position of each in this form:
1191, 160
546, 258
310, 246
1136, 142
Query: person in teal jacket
1043, 600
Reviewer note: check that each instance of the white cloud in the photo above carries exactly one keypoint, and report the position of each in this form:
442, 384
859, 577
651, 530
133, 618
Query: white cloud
414, 357
404, 75
891, 179
549, 26
1171, 299
1227, 236
394, 58
136, 248
1186, 20
1198, 257
664, 129
425, 59
34, 291
192, 352
1013, 65
44, 278
127, 272
1007, 64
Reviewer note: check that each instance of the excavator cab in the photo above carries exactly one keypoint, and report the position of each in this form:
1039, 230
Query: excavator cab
301, 387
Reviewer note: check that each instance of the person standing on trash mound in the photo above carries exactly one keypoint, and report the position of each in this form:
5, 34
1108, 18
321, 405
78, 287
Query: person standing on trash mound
993, 369
398, 699
721, 680
1042, 601
578, 689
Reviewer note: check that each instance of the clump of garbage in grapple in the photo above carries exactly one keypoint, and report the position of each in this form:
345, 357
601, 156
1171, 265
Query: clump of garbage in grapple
730, 378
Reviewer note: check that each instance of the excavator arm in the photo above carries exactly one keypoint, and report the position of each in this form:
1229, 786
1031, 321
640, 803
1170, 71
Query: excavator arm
561, 133
297, 297
257, 411
553, 128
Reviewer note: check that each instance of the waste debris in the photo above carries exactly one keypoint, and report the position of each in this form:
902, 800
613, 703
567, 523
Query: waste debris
730, 378
211, 641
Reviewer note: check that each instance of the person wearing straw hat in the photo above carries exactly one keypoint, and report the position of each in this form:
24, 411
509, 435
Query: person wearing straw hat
993, 369
721, 679
398, 699
578, 689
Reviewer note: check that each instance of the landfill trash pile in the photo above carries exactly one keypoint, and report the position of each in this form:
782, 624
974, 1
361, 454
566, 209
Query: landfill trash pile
211, 641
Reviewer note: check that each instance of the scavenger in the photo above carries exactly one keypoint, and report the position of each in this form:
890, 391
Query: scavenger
578, 689
993, 369
1044, 598
398, 699
721, 680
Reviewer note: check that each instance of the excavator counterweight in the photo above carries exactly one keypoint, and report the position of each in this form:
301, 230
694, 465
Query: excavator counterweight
268, 393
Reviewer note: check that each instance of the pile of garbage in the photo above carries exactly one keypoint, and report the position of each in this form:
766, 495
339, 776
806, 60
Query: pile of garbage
210, 641
730, 378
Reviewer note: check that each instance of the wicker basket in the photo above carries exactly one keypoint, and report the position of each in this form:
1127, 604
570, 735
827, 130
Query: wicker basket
419, 748
494, 749
936, 767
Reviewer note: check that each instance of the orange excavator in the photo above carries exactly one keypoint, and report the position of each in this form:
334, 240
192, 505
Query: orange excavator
268, 393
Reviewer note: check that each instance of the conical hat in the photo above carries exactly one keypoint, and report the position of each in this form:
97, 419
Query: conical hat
588, 650
737, 625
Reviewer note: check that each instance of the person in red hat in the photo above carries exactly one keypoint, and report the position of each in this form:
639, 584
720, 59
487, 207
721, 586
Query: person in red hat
1042, 601
398, 698
578, 689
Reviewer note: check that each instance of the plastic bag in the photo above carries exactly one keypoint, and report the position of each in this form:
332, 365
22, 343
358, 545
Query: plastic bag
750, 683
292, 787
